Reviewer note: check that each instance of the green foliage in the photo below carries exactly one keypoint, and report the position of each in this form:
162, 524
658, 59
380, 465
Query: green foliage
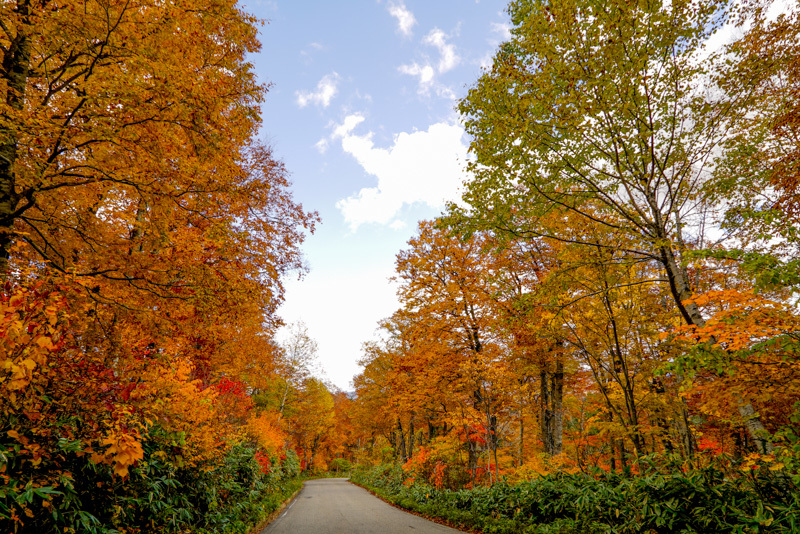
339, 465
291, 465
158, 496
709, 499
768, 271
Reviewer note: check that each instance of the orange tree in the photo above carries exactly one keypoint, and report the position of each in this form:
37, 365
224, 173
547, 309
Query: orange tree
145, 235
442, 364
311, 423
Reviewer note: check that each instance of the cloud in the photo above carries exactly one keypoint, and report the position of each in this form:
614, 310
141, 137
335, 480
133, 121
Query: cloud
307, 54
357, 293
448, 58
420, 167
426, 72
487, 60
326, 90
349, 124
405, 18
321, 146
502, 29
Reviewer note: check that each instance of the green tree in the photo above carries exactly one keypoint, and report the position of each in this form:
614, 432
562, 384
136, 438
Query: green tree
609, 114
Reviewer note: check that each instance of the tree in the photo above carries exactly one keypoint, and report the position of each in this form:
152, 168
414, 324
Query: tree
126, 154
312, 422
138, 212
527, 307
127, 162
297, 362
107, 110
448, 288
606, 113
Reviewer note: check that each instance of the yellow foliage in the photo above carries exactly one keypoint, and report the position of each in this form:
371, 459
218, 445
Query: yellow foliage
533, 467
264, 428
168, 395
123, 451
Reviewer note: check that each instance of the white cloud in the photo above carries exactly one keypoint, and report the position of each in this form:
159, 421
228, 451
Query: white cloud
501, 32
448, 58
502, 29
405, 18
355, 298
426, 72
326, 90
321, 146
349, 124
422, 166
487, 60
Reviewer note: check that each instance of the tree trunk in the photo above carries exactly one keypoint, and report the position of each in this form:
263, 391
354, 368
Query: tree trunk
681, 292
314, 447
521, 438
756, 429
411, 438
401, 443
283, 400
16, 64
551, 407
472, 460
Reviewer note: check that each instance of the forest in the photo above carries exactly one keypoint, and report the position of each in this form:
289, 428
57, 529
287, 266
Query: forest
605, 330
601, 336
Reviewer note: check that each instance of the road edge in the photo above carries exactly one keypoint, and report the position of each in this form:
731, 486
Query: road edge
434, 519
274, 515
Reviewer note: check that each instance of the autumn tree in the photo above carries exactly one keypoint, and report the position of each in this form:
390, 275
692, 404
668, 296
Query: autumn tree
151, 229
525, 304
605, 112
297, 362
127, 153
128, 161
447, 285
312, 421
396, 386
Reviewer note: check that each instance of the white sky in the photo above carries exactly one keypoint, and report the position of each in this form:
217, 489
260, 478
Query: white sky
361, 111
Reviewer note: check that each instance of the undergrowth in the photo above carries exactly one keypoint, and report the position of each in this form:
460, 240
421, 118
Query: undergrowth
705, 500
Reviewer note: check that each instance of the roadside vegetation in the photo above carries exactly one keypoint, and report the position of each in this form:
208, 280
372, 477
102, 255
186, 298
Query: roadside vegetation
659, 498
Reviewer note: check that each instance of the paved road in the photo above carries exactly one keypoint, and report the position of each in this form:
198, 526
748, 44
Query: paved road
335, 506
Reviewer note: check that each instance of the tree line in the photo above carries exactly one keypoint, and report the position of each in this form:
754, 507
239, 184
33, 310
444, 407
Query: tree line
620, 279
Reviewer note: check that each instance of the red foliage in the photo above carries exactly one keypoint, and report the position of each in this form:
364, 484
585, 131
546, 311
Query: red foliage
234, 388
475, 434
709, 444
263, 460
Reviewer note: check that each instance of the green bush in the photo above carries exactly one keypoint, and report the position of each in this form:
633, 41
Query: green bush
711, 499
157, 496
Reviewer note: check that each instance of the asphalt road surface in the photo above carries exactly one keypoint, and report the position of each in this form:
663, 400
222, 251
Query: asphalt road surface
335, 506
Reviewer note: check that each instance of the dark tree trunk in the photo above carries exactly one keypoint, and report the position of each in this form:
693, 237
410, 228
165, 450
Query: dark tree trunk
15, 66
551, 406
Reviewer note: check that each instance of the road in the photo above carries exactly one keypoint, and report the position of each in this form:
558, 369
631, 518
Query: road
335, 506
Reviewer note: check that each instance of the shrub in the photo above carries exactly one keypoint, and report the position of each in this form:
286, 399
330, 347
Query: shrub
709, 499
